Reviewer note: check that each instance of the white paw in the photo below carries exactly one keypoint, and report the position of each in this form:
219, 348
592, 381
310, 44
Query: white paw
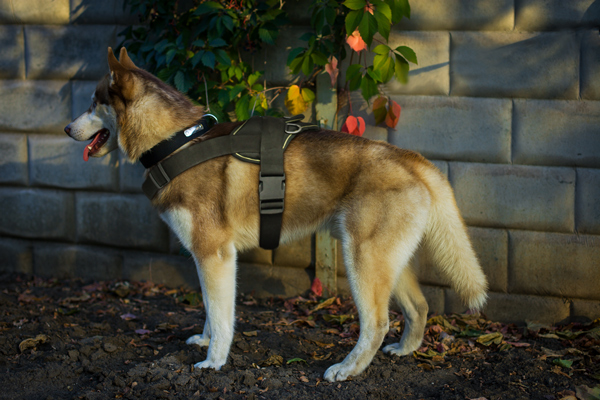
200, 340
337, 372
209, 364
397, 349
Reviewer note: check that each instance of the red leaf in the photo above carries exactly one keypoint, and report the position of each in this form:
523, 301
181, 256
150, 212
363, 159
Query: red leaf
379, 110
317, 287
354, 125
332, 70
393, 114
355, 41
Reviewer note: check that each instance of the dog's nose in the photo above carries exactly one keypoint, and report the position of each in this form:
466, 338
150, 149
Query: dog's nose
68, 129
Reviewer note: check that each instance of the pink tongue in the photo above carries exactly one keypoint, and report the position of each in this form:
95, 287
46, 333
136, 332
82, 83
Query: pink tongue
86, 151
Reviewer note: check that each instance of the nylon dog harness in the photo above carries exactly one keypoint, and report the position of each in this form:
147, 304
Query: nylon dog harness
260, 140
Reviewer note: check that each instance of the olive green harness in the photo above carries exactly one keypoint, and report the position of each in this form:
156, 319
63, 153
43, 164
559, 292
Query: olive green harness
260, 140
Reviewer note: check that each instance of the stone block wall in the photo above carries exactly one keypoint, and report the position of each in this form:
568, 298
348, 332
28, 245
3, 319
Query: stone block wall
505, 101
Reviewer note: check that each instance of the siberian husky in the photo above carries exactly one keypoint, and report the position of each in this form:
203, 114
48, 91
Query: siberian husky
383, 201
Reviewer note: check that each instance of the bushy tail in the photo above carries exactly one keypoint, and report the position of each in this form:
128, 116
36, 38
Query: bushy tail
448, 244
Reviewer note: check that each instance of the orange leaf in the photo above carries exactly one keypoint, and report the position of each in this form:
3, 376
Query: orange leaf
393, 115
354, 126
379, 110
356, 42
294, 101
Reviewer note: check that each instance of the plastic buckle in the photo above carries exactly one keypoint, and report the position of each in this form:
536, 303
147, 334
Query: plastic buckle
271, 191
164, 175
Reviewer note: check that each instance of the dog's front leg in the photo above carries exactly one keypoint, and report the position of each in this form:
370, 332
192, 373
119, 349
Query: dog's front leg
202, 340
217, 279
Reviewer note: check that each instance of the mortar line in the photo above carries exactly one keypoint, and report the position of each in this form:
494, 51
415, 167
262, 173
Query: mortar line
513, 123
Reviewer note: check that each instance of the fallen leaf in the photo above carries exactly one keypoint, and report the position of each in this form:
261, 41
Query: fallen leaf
128, 317
562, 363
142, 331
32, 342
490, 338
295, 360
303, 379
324, 304
275, 359
586, 393
338, 318
250, 333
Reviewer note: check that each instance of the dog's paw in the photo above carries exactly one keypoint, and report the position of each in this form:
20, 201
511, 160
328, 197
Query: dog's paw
209, 364
398, 349
337, 372
200, 340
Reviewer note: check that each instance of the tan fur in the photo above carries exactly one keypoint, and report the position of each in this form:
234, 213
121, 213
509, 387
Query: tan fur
384, 202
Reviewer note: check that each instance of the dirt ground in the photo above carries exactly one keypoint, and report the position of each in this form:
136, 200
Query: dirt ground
90, 340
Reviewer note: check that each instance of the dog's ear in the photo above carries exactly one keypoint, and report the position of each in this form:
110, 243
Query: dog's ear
125, 60
121, 76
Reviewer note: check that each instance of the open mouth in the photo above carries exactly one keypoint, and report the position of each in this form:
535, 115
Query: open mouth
99, 140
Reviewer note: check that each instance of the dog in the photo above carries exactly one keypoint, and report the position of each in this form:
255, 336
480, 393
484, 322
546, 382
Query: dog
382, 202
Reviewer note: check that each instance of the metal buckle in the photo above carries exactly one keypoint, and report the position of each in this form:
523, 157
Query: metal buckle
271, 191
164, 175
289, 131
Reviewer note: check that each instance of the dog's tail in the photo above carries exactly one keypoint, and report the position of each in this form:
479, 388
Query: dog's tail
448, 244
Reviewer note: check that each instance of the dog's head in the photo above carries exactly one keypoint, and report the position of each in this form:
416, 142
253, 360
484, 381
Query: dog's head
131, 109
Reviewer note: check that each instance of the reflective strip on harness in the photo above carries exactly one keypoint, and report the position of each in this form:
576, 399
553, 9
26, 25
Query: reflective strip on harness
260, 140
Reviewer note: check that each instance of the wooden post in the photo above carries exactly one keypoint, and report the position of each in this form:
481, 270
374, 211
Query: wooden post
325, 245
326, 262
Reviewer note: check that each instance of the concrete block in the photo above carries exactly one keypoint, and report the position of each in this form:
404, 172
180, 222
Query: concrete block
528, 65
585, 308
39, 106
12, 62
587, 207
16, 256
131, 176
543, 15
105, 12
515, 308
36, 213
297, 254
590, 59
73, 261
13, 158
67, 52
256, 256
454, 128
267, 281
446, 15
82, 92
172, 271
58, 161
435, 298
432, 75
551, 132
34, 12
509, 196
298, 12
554, 264
122, 220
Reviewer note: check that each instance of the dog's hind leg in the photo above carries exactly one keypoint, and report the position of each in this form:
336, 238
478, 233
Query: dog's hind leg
377, 247
217, 279
409, 296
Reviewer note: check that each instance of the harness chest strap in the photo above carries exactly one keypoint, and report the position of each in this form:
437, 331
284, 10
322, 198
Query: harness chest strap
268, 137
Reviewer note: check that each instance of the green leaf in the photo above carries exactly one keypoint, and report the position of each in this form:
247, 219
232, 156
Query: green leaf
268, 33
181, 83
207, 7
352, 71
208, 59
228, 22
383, 25
562, 363
355, 82
367, 28
197, 58
381, 49
402, 68
319, 58
295, 360
407, 53
170, 55
368, 87
308, 95
307, 66
218, 42
385, 65
241, 108
222, 57
384, 9
353, 19
253, 77
375, 74
296, 64
237, 89
355, 4
294, 53
399, 8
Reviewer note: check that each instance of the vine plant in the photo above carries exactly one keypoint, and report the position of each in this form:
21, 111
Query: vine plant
204, 49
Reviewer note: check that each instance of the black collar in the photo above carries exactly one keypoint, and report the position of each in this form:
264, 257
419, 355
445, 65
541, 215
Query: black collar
166, 147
